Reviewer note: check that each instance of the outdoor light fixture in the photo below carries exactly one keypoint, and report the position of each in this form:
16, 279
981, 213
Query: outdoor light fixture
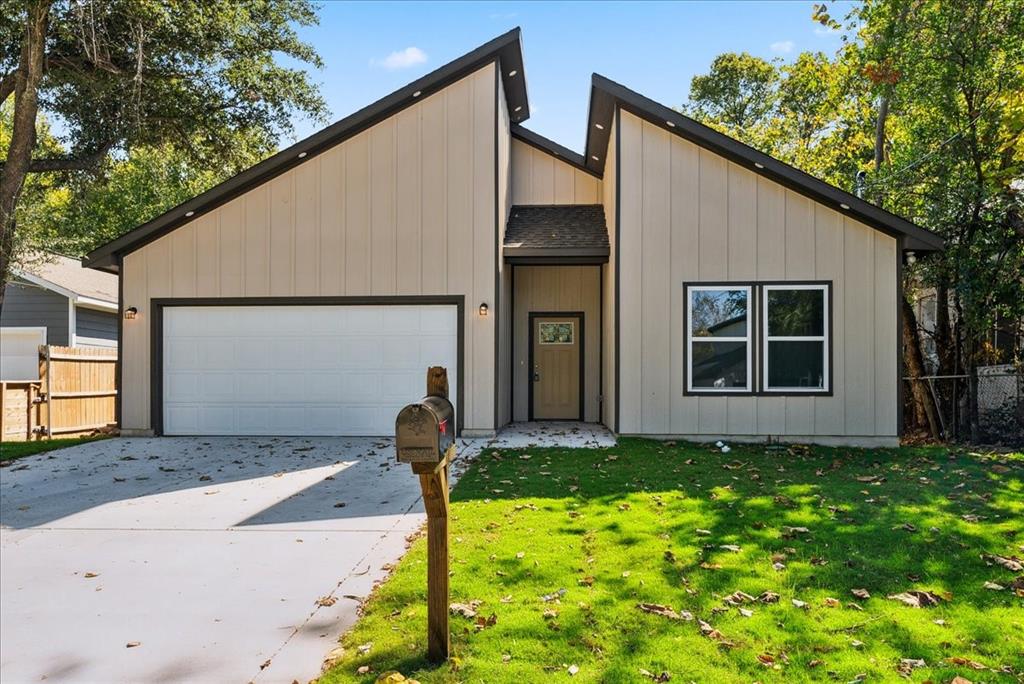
130, 313
483, 309
911, 258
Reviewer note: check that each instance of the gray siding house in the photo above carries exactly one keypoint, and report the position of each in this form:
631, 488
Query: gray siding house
669, 281
54, 300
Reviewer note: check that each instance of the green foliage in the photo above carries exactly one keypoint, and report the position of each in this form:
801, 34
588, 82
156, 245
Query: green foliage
685, 526
10, 451
158, 101
953, 149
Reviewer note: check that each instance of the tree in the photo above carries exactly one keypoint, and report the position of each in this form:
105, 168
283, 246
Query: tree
738, 92
927, 97
125, 74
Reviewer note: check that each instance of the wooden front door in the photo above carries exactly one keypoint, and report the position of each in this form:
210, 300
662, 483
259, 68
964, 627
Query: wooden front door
556, 363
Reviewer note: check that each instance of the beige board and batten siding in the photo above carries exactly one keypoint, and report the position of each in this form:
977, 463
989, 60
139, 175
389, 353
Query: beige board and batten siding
406, 207
551, 289
688, 215
539, 177
505, 314
608, 337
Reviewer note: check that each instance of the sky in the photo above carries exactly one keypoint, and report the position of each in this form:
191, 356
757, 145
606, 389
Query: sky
655, 48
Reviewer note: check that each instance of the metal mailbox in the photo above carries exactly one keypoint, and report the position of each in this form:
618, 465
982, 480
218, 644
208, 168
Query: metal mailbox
425, 430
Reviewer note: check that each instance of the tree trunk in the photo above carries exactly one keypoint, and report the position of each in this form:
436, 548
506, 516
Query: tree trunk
924, 404
23, 131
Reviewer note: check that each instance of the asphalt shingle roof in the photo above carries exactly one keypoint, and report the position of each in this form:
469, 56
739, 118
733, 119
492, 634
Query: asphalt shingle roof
561, 226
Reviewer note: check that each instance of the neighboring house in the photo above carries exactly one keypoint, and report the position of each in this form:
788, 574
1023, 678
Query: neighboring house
309, 294
54, 300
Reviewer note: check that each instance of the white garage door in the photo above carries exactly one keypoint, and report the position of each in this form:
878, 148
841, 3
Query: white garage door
300, 370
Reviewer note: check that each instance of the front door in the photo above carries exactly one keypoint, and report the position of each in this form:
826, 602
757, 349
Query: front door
556, 350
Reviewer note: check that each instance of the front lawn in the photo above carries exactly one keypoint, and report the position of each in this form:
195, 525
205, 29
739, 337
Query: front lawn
651, 561
12, 450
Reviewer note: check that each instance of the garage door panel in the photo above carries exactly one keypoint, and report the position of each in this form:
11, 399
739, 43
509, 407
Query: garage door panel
325, 370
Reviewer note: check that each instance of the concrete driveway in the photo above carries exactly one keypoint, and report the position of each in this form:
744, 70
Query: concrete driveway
203, 559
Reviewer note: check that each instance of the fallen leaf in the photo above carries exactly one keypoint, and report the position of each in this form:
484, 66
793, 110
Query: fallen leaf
730, 547
908, 665
548, 598
484, 622
856, 643
587, 581
1012, 563
800, 604
521, 554
365, 648
711, 566
916, 599
815, 663
363, 669
325, 601
746, 613
466, 610
90, 575
966, 662
133, 644
573, 669
661, 677
703, 533
960, 680
664, 611
737, 598
831, 602
766, 659
860, 593
993, 586
768, 597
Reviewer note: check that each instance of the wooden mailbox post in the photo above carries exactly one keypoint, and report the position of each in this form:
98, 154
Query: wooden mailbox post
425, 439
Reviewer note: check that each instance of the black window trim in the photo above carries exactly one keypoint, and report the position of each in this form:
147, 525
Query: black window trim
756, 313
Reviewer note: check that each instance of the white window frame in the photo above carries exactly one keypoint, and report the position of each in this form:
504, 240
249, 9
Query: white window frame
689, 289
823, 338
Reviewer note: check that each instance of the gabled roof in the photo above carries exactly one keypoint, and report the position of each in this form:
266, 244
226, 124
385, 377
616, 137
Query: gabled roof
551, 231
506, 50
606, 95
69, 278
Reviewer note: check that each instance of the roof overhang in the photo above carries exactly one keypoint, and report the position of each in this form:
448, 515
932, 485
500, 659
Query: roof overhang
76, 299
505, 50
555, 256
606, 96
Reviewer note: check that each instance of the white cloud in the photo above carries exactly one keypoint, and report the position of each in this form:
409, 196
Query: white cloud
401, 59
782, 46
826, 31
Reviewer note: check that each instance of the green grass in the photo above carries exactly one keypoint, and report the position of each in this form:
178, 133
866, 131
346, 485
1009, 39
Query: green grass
616, 527
12, 450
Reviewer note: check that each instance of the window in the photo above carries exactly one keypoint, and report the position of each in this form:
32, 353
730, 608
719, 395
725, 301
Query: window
795, 333
718, 338
557, 333
757, 338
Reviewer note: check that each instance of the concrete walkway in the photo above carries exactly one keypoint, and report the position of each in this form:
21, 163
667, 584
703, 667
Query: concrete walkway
218, 559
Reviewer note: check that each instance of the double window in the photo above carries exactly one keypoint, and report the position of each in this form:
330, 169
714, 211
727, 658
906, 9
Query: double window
783, 326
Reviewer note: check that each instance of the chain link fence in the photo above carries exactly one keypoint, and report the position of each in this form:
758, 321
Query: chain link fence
1000, 406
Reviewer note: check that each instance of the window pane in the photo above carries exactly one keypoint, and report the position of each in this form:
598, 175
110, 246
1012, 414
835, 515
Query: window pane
796, 313
796, 364
719, 313
719, 365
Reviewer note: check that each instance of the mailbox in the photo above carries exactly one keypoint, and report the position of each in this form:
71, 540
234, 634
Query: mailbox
425, 430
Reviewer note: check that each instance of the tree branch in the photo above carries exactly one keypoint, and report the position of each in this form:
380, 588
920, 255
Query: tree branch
83, 163
7, 83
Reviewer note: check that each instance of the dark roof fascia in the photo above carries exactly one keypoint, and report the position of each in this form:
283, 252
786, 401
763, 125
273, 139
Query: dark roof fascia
549, 146
548, 260
505, 50
513, 251
607, 94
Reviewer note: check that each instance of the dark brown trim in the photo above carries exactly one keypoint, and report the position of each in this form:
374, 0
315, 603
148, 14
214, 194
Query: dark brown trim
119, 370
899, 337
605, 91
581, 325
618, 264
544, 260
512, 346
757, 339
156, 347
505, 50
560, 152
497, 253
600, 346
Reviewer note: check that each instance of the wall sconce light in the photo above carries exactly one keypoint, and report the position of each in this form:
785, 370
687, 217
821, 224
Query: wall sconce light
483, 309
130, 313
911, 258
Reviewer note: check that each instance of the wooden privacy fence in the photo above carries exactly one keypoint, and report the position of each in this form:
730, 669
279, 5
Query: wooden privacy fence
75, 395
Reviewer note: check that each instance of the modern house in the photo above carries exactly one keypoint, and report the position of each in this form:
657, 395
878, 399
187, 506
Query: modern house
670, 281
54, 300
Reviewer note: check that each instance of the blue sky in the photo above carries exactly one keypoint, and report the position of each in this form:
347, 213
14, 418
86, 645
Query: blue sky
371, 49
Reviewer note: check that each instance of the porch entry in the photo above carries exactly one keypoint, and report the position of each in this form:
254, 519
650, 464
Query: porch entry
556, 365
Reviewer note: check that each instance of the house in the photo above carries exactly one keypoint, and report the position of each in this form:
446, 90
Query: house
669, 282
54, 300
